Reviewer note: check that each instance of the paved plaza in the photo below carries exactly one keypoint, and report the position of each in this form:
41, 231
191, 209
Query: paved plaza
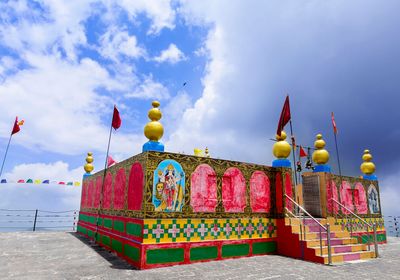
60, 255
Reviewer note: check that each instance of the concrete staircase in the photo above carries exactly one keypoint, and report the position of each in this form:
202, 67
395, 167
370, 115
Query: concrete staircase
344, 248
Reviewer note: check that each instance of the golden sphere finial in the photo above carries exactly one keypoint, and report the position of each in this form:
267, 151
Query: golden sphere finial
320, 155
89, 166
367, 167
281, 148
154, 130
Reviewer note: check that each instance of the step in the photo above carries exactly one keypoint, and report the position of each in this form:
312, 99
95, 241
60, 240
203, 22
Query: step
315, 235
345, 257
316, 228
338, 249
334, 241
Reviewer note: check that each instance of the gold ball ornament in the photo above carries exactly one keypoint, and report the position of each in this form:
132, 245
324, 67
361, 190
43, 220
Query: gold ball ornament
281, 149
154, 130
320, 155
367, 167
89, 166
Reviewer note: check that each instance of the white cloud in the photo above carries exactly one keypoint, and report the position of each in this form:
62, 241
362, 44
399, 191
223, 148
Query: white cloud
149, 89
51, 196
115, 42
389, 194
57, 171
160, 12
61, 106
171, 55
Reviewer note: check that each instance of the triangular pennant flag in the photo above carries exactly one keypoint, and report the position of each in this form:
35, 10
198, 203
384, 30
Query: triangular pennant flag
110, 161
302, 152
77, 184
285, 116
21, 181
116, 120
334, 124
46, 182
36, 182
70, 184
3, 181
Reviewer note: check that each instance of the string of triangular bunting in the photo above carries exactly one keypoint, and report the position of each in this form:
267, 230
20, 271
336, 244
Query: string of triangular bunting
37, 182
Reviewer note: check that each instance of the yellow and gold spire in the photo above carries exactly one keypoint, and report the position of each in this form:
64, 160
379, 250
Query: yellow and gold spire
320, 155
367, 167
281, 149
154, 130
207, 153
89, 166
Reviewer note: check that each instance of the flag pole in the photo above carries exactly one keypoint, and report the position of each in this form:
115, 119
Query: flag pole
294, 153
104, 177
5, 155
338, 159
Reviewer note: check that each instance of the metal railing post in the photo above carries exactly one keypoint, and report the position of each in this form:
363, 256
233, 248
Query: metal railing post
34, 222
320, 240
375, 241
328, 237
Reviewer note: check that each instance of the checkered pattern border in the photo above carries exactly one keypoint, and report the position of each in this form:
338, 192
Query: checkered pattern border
193, 230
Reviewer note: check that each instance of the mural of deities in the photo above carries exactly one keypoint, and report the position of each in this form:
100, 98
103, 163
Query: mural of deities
168, 186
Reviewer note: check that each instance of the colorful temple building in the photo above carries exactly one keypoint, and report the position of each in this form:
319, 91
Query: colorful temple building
160, 209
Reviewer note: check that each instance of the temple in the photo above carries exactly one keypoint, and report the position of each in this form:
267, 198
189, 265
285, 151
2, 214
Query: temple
160, 209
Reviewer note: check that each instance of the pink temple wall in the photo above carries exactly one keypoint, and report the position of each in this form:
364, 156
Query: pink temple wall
360, 199
331, 192
107, 192
90, 194
119, 189
346, 196
288, 191
203, 183
99, 182
84, 195
135, 187
279, 193
260, 199
233, 190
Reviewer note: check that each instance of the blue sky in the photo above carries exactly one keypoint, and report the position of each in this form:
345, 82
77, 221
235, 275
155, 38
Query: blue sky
63, 64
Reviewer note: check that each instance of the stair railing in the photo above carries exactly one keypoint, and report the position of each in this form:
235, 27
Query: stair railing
327, 229
373, 226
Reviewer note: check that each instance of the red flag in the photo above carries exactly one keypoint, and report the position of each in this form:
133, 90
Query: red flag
16, 127
116, 120
334, 123
285, 116
302, 152
110, 161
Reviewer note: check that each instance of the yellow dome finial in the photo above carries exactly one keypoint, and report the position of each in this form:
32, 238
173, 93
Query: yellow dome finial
154, 130
320, 155
281, 149
89, 166
367, 167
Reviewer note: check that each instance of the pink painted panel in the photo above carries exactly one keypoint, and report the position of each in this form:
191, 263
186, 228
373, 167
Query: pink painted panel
203, 184
260, 199
331, 192
346, 197
90, 192
107, 191
119, 189
233, 190
279, 192
360, 199
135, 187
99, 182
84, 195
289, 192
